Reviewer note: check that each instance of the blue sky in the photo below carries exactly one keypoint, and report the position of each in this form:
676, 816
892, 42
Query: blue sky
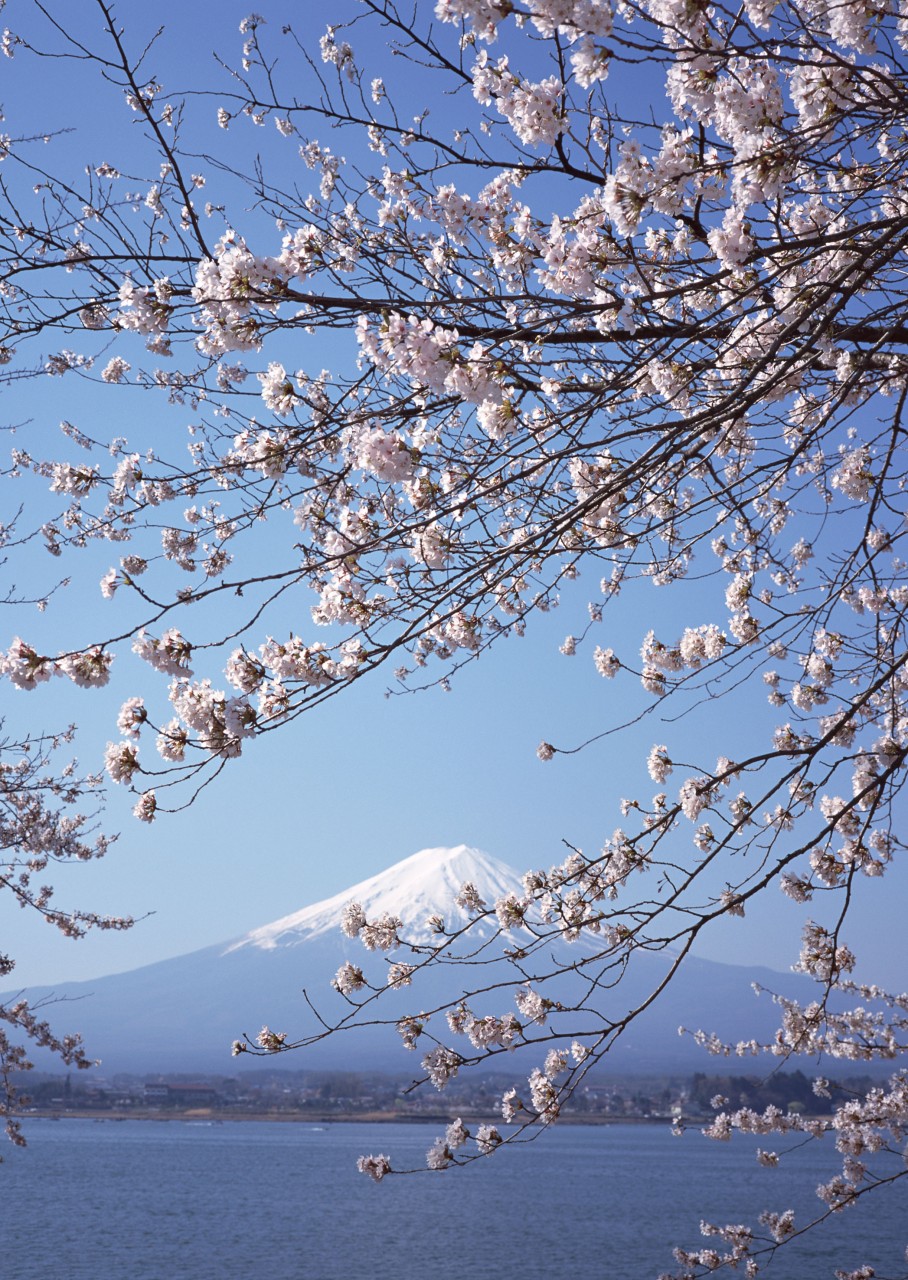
364, 780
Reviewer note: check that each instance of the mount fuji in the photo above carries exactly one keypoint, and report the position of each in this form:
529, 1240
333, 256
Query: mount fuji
182, 1014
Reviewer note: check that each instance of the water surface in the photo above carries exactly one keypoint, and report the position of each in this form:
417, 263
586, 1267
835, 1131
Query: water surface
138, 1200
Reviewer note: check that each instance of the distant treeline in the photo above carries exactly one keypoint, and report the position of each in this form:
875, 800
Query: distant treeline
350, 1093
788, 1090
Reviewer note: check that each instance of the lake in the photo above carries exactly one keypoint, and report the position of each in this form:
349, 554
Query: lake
145, 1200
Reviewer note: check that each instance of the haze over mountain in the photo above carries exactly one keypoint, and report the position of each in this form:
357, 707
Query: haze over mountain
183, 1014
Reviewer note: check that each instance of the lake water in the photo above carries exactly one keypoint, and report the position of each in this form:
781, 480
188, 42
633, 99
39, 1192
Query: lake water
137, 1200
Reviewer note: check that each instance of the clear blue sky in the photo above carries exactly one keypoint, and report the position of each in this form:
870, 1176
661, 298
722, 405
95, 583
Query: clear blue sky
365, 780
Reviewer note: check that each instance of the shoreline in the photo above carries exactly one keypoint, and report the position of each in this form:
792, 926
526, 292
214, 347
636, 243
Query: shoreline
211, 1115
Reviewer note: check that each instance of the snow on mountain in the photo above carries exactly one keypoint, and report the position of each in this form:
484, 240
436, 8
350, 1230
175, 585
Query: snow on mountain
425, 884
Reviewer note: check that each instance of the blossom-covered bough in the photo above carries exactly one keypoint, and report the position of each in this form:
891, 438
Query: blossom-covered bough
639, 316
48, 815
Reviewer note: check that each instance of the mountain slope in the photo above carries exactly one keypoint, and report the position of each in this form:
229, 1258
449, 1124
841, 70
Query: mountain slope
183, 1014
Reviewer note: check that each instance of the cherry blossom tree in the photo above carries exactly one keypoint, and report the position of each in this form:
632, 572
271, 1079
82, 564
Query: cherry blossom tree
637, 318
45, 819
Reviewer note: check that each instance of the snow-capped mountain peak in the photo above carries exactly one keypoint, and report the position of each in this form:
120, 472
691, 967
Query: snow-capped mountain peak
414, 889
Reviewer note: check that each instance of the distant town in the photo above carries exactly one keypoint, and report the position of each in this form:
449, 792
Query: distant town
323, 1095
